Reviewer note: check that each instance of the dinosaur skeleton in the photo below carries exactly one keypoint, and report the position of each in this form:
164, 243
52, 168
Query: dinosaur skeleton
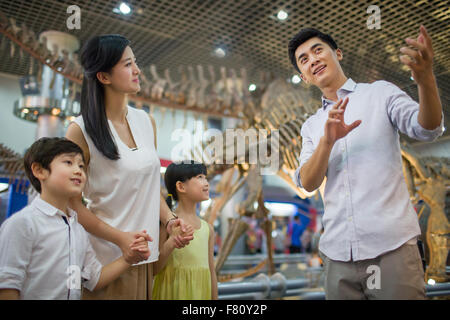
193, 92
11, 167
428, 179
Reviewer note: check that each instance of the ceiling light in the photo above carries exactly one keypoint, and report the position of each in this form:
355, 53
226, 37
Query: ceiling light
124, 8
282, 15
252, 87
220, 52
296, 79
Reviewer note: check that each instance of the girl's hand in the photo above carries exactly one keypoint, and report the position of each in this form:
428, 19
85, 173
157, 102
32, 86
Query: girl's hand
134, 246
181, 232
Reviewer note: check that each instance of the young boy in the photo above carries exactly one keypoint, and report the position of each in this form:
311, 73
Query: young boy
353, 140
44, 252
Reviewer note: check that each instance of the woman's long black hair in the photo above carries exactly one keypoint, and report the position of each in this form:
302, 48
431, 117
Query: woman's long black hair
181, 171
99, 54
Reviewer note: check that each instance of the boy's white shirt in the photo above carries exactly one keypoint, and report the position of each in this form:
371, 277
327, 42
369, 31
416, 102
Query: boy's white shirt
42, 259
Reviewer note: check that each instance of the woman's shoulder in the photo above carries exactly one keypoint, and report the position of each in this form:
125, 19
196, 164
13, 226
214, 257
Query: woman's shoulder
140, 116
76, 127
77, 122
75, 132
137, 112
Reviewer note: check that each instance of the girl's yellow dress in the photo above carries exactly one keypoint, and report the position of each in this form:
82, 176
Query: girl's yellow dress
186, 275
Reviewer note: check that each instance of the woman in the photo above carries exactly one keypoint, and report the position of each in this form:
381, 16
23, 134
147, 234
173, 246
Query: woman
119, 144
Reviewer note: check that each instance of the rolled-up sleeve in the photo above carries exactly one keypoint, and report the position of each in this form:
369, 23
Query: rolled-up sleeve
306, 152
92, 269
403, 112
16, 242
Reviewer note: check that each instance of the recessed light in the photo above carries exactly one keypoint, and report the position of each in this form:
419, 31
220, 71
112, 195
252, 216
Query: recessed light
124, 8
252, 87
220, 52
282, 15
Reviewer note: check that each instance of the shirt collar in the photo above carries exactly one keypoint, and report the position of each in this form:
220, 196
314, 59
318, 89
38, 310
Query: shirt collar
48, 209
348, 86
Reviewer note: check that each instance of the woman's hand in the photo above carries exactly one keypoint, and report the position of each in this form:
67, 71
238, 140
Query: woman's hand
134, 246
181, 232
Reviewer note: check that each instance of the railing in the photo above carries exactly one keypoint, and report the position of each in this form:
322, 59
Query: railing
238, 263
277, 286
261, 287
257, 258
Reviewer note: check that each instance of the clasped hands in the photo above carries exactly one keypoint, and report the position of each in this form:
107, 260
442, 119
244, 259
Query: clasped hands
134, 245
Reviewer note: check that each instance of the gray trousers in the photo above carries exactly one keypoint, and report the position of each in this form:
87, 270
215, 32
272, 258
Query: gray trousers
396, 275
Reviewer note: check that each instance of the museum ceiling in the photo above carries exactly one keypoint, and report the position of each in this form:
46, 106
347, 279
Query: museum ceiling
250, 34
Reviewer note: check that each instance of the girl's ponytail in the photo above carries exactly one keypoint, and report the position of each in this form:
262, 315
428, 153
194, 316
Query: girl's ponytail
169, 201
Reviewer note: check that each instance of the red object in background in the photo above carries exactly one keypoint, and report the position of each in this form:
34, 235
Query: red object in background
164, 163
313, 221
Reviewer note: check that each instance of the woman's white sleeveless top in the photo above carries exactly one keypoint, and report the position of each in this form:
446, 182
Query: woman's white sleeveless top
125, 193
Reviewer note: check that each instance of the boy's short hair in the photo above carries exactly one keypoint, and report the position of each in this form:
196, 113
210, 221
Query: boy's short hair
43, 151
303, 36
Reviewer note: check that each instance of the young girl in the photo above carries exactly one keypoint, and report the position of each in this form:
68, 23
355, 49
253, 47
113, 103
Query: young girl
187, 273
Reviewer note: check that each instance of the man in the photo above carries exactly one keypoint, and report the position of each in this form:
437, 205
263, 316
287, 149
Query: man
369, 246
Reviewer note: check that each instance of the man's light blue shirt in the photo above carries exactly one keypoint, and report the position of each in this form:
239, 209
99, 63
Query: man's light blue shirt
368, 211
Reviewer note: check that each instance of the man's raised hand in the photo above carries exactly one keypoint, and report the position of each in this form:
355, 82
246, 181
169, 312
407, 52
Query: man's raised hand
420, 58
335, 127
